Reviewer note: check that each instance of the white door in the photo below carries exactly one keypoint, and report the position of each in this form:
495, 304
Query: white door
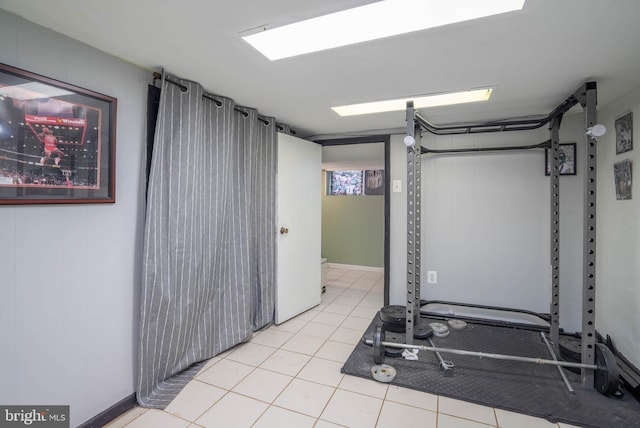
298, 227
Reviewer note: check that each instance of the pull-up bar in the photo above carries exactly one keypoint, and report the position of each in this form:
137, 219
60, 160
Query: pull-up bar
520, 124
543, 145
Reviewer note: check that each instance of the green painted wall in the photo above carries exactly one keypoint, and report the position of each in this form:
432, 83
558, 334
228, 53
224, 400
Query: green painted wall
353, 230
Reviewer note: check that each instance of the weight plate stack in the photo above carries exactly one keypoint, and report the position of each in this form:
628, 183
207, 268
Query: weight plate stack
393, 314
439, 329
571, 351
393, 352
395, 328
570, 348
394, 338
394, 318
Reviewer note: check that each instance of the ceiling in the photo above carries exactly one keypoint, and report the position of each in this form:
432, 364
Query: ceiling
534, 58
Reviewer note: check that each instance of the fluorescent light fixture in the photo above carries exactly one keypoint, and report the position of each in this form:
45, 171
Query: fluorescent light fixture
370, 22
422, 101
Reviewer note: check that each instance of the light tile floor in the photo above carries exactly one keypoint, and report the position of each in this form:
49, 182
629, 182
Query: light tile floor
289, 376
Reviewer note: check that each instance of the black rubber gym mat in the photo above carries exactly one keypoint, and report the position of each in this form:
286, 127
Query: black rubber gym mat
533, 389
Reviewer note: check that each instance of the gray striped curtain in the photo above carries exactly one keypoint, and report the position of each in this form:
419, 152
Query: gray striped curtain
209, 250
263, 215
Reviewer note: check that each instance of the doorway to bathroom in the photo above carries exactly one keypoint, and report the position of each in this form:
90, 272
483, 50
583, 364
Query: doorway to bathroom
355, 203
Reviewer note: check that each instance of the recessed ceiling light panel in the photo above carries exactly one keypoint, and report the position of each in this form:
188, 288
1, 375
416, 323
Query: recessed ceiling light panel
373, 21
422, 101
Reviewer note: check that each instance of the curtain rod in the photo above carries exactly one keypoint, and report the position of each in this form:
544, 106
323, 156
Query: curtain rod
158, 76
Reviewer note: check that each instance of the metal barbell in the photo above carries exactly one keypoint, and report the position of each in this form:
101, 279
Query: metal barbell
606, 367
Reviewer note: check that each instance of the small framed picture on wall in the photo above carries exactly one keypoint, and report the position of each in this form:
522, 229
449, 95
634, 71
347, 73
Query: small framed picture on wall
374, 182
567, 160
624, 133
623, 181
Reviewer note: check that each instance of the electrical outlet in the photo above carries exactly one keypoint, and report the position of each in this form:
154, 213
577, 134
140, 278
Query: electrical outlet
432, 277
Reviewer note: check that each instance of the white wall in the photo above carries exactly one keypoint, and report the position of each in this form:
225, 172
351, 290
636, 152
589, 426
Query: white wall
69, 274
618, 234
398, 223
485, 224
353, 156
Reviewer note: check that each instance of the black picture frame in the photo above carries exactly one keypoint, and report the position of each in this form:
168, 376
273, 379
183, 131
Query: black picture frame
568, 164
623, 179
57, 141
374, 182
624, 133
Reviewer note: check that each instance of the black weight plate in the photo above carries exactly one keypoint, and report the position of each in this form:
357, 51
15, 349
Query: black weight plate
570, 348
571, 351
606, 376
393, 352
392, 337
378, 348
396, 328
422, 330
395, 314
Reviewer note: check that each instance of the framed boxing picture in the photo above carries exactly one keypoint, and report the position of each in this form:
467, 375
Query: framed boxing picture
57, 141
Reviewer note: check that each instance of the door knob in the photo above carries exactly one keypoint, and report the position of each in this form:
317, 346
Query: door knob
284, 230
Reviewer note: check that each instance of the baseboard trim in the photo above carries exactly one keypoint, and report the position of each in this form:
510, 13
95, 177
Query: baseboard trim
355, 267
118, 409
